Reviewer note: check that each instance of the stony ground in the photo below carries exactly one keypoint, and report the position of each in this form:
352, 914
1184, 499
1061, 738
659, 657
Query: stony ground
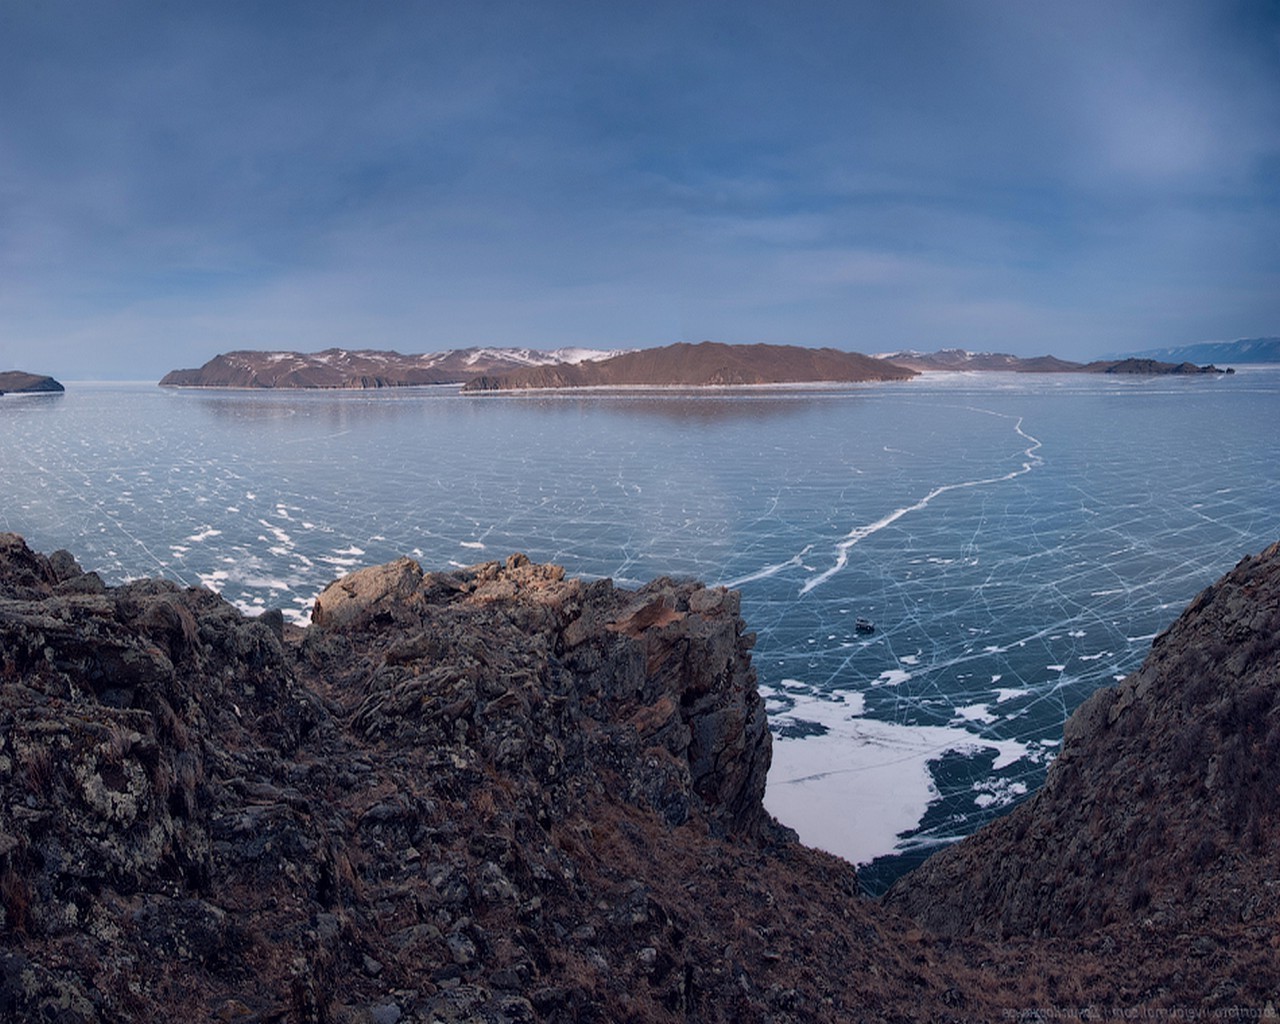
499, 795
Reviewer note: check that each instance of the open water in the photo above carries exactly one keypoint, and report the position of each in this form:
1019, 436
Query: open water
1018, 540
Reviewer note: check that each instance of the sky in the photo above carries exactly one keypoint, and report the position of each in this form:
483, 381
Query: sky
179, 179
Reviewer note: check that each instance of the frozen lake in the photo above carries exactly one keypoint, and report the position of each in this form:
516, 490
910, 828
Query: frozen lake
1018, 540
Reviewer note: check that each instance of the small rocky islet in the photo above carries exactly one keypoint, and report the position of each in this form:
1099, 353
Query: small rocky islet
499, 794
19, 382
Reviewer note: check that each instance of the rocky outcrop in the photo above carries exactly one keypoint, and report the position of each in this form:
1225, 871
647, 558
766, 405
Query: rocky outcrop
20, 382
1164, 806
707, 364
664, 691
500, 795
488, 795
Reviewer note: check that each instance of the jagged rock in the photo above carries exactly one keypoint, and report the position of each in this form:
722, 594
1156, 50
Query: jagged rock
382, 591
665, 671
498, 794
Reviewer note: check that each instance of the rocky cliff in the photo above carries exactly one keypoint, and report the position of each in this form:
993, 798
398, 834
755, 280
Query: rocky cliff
1164, 806
488, 795
501, 795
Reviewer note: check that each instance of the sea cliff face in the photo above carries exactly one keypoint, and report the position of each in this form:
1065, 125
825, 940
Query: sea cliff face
497, 794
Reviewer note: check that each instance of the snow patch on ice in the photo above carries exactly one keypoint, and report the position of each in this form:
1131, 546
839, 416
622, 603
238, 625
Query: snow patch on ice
856, 787
974, 713
892, 677
998, 792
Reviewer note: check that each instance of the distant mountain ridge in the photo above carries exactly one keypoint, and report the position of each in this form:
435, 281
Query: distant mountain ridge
961, 359
705, 364
1243, 350
365, 368
955, 359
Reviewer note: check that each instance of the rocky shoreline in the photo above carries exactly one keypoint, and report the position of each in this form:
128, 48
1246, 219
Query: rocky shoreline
501, 795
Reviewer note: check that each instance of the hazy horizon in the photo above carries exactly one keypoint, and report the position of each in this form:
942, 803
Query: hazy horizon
182, 180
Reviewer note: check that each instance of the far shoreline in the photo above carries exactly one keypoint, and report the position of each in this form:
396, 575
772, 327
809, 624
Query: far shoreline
764, 386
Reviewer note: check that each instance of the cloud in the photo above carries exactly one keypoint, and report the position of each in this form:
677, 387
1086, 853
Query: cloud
571, 172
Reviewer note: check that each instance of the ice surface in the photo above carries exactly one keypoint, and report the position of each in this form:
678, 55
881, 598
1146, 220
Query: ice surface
989, 525
860, 784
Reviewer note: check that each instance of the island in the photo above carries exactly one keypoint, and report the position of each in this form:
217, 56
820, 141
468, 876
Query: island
684, 364
958, 359
21, 383
365, 368
499, 793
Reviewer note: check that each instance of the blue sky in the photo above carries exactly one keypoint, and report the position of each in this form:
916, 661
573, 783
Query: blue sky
179, 179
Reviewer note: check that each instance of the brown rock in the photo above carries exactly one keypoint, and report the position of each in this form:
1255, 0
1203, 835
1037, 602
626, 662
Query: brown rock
380, 592
463, 795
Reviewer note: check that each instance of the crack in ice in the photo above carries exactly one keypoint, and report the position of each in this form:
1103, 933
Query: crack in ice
861, 533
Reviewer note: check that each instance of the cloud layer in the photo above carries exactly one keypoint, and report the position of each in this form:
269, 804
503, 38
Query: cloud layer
178, 179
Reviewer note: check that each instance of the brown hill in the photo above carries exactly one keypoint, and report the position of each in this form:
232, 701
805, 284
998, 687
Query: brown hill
20, 382
365, 368
707, 363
